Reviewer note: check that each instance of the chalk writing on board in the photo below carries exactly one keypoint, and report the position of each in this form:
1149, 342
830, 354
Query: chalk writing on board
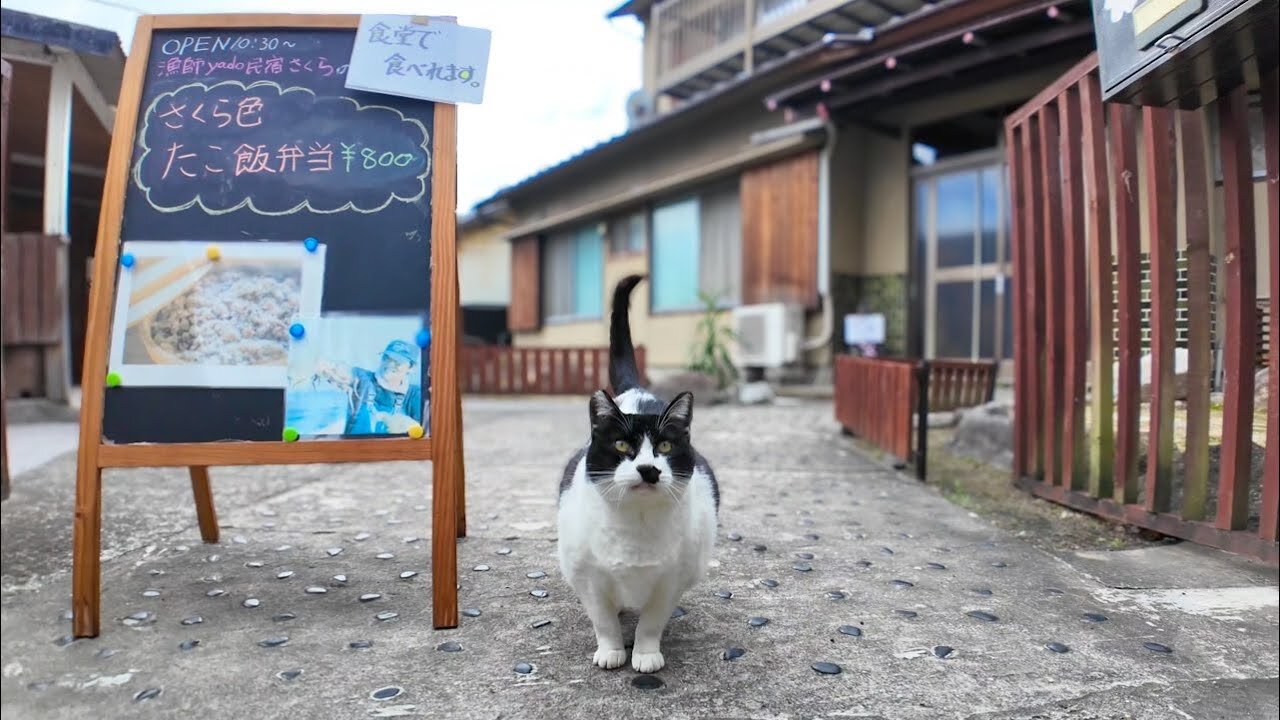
277, 150
200, 44
250, 66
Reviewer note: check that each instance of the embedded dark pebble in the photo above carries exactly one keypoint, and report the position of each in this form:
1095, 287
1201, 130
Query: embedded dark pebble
805, 555
982, 591
759, 548
886, 551
288, 675
769, 583
523, 668
386, 693
360, 644
189, 645
981, 615
943, 651
1056, 647
471, 612
535, 575
998, 564
1095, 617
835, 595
863, 563
851, 630
679, 612
908, 613
732, 653
254, 564
284, 574
449, 647
385, 616
369, 597
273, 642
540, 624
826, 668
937, 566
141, 617
724, 594
148, 694
193, 620
215, 592
902, 584
1157, 647
646, 682
284, 617
802, 567
812, 536
758, 621
735, 537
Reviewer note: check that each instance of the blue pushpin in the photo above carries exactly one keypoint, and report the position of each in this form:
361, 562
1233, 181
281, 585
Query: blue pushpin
424, 337
127, 260
297, 331
311, 244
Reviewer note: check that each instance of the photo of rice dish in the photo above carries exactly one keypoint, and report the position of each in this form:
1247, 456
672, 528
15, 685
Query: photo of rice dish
235, 315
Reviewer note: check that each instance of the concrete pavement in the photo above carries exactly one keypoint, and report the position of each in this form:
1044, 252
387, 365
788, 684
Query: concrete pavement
928, 611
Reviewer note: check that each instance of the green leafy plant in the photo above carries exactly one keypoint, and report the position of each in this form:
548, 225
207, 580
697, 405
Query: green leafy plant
710, 351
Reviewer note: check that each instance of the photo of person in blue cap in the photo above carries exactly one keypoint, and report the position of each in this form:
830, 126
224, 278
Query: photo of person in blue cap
334, 390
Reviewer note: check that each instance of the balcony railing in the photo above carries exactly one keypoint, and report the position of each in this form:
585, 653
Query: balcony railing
695, 36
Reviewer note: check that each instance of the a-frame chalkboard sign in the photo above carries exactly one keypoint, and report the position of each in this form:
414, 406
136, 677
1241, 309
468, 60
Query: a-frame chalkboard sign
275, 280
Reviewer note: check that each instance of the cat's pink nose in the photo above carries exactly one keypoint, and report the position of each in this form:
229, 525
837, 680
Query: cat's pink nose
648, 473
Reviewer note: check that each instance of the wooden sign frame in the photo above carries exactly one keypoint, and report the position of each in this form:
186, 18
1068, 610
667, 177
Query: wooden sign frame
443, 447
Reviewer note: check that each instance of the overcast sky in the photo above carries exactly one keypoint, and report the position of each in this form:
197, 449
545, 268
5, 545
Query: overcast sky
559, 72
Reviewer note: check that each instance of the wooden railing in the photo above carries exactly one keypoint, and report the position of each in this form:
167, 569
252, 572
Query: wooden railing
694, 35
34, 301
502, 370
882, 400
1078, 169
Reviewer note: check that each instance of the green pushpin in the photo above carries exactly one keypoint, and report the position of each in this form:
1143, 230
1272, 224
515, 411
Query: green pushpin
113, 379
290, 435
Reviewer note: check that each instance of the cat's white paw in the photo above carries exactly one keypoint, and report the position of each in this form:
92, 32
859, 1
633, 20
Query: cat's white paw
610, 659
647, 662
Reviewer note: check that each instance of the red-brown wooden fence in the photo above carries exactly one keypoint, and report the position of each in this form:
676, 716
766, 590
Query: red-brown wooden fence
1080, 170
34, 301
879, 399
502, 370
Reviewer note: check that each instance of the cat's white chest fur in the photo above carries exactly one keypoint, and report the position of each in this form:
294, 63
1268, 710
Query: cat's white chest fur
624, 551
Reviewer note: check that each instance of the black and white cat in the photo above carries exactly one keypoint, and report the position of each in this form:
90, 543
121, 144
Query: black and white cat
638, 506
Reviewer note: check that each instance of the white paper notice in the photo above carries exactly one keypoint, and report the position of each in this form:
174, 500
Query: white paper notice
864, 329
435, 59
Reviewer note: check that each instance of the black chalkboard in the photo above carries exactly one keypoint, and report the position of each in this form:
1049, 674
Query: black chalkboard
250, 136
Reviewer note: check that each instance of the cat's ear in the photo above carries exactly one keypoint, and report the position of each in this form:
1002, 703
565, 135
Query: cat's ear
679, 412
602, 408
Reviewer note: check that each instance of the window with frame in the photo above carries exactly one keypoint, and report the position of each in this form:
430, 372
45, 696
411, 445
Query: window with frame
627, 233
573, 275
697, 247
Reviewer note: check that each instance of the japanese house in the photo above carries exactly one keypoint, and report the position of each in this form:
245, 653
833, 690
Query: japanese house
802, 160
65, 79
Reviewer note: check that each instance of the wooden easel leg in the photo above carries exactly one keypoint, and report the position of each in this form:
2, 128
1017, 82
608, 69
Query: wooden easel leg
205, 512
86, 553
461, 489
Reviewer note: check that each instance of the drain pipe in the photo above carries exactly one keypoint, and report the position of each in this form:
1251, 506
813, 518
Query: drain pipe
824, 236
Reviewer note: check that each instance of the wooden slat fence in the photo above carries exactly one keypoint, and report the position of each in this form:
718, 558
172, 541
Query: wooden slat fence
1079, 171
503, 370
882, 400
34, 313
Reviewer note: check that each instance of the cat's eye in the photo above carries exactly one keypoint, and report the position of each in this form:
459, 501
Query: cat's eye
622, 446
664, 446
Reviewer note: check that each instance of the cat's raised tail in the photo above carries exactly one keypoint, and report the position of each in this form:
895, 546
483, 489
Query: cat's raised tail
623, 373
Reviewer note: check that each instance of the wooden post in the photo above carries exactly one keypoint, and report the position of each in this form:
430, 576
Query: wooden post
1195, 212
1269, 526
206, 516
1162, 189
1101, 442
6, 74
446, 428
57, 153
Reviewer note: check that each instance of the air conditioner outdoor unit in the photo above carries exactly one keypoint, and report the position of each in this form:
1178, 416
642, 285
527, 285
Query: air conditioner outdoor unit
769, 334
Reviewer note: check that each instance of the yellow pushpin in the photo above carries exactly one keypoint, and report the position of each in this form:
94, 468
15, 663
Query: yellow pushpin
213, 252
416, 431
